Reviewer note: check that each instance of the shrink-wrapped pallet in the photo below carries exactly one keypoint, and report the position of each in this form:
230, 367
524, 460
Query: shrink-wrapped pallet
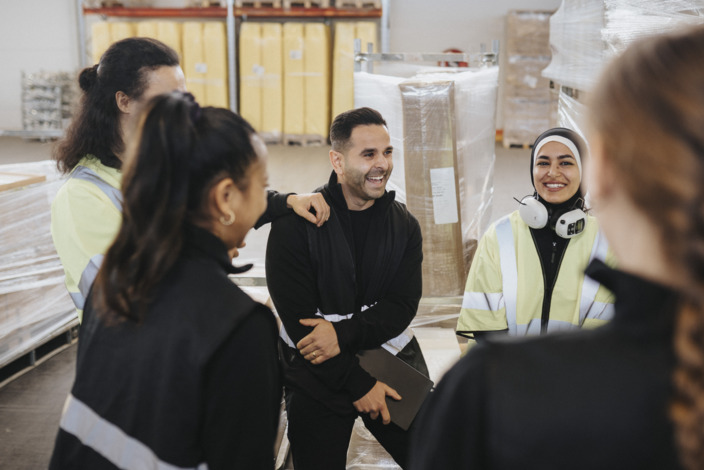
316, 59
121, 30
343, 61
527, 100
272, 82
432, 184
251, 70
34, 303
474, 117
100, 39
215, 52
169, 32
146, 29
294, 83
194, 63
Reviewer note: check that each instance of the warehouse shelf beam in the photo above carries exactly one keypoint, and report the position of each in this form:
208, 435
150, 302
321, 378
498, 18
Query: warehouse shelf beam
222, 12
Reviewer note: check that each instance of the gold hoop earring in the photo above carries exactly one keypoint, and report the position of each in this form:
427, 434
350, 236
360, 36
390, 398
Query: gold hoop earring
230, 219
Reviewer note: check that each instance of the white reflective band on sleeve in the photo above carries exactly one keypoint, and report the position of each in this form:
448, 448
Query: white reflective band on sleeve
483, 301
509, 271
88, 275
394, 346
86, 174
589, 286
78, 300
123, 451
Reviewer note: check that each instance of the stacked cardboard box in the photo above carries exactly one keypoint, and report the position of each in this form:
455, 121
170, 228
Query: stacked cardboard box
528, 102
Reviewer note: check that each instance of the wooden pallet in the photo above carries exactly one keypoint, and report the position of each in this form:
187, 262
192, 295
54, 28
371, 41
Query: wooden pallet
305, 140
517, 145
270, 137
307, 3
258, 3
358, 3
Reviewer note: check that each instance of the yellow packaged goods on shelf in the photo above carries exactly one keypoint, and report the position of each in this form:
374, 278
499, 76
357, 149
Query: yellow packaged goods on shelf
215, 46
147, 29
121, 30
343, 68
169, 32
271, 82
294, 88
101, 39
250, 56
366, 31
193, 63
317, 80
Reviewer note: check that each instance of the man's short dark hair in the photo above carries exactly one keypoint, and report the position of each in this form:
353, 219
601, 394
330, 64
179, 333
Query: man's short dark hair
343, 125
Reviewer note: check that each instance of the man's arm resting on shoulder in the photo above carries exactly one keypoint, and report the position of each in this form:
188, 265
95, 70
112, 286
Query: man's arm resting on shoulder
279, 205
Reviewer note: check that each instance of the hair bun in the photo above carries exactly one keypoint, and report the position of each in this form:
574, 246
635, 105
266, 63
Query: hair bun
88, 77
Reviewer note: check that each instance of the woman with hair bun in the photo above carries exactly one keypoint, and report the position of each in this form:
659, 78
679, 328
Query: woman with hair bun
177, 367
631, 393
87, 210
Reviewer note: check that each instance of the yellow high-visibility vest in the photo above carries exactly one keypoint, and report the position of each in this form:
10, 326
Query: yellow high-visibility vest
85, 217
505, 287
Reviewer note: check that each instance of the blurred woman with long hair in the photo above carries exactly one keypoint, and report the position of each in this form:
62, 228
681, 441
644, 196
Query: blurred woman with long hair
631, 393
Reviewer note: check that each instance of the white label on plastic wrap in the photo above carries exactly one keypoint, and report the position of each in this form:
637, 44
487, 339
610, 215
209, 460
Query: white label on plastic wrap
442, 181
201, 67
295, 54
258, 70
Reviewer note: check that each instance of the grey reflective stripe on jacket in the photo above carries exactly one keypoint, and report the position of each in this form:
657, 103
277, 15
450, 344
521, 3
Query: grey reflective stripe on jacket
588, 307
91, 270
111, 442
394, 345
86, 174
87, 278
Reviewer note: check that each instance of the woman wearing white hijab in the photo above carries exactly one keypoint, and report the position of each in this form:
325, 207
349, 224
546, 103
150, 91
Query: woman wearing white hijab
527, 276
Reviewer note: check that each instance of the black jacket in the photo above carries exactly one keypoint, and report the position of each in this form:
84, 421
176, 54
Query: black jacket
311, 269
197, 382
581, 400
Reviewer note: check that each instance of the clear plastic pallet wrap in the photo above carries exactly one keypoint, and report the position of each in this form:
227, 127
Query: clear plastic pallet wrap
34, 303
527, 102
473, 119
585, 34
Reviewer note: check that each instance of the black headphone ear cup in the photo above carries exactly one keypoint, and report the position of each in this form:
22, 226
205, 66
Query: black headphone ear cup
533, 213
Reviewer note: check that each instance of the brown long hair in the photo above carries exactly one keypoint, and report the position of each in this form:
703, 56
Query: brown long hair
649, 112
95, 128
180, 153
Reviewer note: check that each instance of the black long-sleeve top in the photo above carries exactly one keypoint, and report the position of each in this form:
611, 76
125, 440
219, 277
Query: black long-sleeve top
293, 284
197, 382
589, 399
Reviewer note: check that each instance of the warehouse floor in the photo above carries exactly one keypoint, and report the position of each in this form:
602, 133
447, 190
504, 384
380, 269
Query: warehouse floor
30, 405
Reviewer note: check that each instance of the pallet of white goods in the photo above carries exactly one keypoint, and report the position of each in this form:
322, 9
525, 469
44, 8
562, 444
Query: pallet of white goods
307, 3
270, 137
258, 3
358, 4
305, 140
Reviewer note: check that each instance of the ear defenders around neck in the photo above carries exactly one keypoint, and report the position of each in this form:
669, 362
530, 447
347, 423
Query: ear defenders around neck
569, 224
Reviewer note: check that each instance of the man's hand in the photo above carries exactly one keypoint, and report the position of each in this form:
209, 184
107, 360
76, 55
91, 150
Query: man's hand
303, 203
321, 343
374, 402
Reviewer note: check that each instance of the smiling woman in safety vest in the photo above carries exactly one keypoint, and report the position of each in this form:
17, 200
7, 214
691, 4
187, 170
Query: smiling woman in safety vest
87, 210
527, 276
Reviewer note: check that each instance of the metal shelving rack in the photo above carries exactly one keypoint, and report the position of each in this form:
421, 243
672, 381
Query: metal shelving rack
230, 13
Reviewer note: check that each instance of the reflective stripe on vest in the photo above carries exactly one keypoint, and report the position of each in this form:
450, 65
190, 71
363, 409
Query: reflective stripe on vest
588, 307
87, 278
86, 174
483, 301
394, 345
108, 440
509, 271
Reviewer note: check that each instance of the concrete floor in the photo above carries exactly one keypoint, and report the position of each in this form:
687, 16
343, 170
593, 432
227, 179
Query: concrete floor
30, 405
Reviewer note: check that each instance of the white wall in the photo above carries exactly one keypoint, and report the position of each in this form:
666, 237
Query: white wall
34, 35
42, 35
